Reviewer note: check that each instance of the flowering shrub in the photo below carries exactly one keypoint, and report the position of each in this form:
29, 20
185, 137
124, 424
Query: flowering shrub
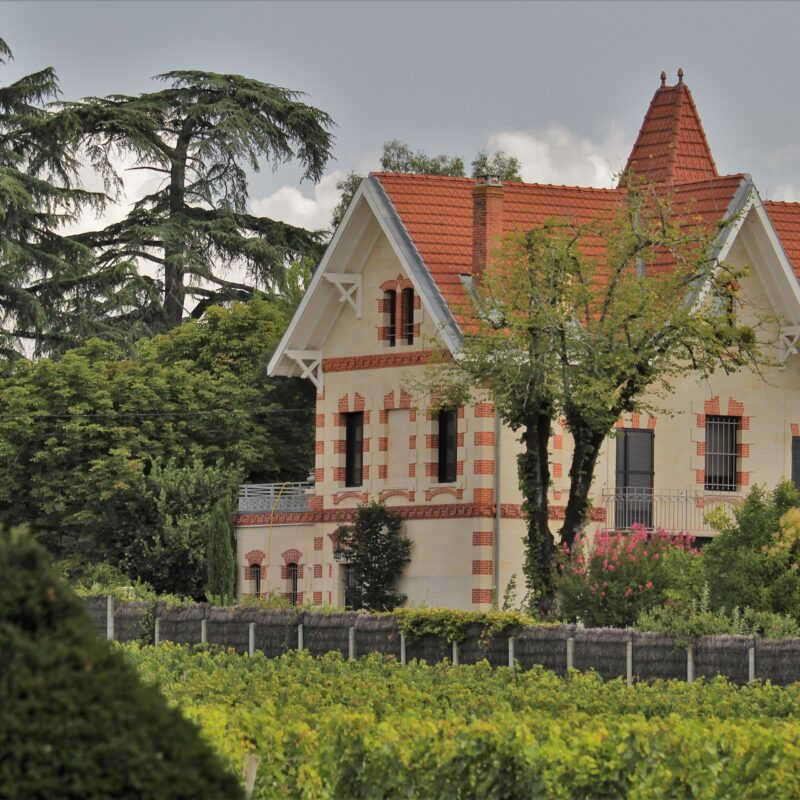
611, 579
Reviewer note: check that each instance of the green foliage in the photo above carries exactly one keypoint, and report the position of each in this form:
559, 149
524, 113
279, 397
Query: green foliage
378, 550
452, 623
754, 560
687, 621
614, 578
45, 276
119, 459
504, 166
329, 728
220, 559
105, 579
203, 130
75, 720
399, 157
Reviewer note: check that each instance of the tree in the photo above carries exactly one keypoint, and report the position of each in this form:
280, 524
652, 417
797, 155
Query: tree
45, 277
399, 157
220, 560
121, 459
504, 166
562, 332
201, 132
377, 550
76, 721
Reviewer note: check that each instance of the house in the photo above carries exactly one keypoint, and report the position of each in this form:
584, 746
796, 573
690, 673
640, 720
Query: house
392, 281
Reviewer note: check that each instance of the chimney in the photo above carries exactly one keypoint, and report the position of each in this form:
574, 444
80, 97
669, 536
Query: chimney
487, 221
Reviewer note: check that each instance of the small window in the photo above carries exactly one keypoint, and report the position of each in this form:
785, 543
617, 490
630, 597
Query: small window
291, 573
796, 461
390, 309
354, 449
352, 589
721, 435
448, 441
408, 316
255, 570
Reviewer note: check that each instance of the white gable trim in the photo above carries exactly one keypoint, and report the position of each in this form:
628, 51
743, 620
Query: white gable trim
372, 194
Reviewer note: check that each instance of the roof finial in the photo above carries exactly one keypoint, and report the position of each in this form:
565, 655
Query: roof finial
680, 74
663, 79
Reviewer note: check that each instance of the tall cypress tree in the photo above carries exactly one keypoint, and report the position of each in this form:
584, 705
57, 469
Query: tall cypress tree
220, 560
200, 133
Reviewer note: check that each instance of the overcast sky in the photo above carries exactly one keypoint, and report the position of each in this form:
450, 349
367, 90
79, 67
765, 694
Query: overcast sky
563, 86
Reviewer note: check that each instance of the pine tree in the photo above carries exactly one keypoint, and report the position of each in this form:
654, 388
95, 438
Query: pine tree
46, 278
201, 132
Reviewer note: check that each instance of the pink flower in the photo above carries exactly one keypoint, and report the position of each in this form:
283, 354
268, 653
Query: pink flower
649, 584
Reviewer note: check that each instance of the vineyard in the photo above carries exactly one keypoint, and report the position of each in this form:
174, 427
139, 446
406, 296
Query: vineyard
329, 728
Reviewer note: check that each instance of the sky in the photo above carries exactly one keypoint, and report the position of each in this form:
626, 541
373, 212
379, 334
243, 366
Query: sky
563, 86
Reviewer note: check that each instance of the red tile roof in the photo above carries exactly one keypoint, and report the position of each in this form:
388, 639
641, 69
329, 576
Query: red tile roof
671, 146
437, 214
786, 221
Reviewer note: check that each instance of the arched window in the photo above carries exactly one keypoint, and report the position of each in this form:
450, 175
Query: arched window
255, 571
407, 314
390, 308
291, 574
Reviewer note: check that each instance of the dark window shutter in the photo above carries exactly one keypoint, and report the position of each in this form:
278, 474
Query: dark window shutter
796, 460
448, 442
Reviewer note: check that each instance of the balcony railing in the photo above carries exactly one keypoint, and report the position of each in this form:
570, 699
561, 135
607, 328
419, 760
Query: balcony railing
674, 510
276, 497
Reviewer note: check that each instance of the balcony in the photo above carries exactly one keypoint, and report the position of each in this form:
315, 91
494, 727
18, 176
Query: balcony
274, 497
675, 510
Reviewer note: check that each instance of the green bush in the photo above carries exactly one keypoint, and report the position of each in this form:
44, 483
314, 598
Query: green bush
75, 721
753, 561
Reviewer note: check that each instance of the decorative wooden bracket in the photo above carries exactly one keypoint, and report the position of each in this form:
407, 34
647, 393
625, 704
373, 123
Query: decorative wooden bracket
310, 362
349, 287
789, 340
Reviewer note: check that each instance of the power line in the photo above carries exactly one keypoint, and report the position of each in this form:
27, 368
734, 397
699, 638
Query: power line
149, 414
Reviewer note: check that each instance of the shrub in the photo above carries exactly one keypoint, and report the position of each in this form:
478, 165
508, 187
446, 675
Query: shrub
753, 561
613, 578
75, 721
378, 550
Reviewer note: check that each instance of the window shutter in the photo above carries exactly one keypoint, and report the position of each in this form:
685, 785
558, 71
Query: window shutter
796, 460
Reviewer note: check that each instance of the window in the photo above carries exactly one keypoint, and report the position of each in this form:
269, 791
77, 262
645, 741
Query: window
634, 486
721, 453
351, 588
291, 574
354, 455
255, 570
796, 461
390, 308
448, 441
408, 315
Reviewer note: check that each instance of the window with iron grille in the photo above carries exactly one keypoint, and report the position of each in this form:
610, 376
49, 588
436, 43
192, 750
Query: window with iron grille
448, 442
796, 461
390, 308
291, 573
408, 315
721, 436
354, 448
256, 572
352, 588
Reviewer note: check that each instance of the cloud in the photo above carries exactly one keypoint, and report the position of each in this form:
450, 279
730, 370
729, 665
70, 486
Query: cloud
787, 192
289, 204
554, 154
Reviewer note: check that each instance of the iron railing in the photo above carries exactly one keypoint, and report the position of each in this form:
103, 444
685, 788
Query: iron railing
276, 497
674, 510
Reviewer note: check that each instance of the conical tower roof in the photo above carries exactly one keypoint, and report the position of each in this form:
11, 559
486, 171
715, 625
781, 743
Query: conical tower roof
671, 146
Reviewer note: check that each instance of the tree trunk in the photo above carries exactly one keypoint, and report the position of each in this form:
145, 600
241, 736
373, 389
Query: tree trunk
534, 480
175, 242
581, 474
